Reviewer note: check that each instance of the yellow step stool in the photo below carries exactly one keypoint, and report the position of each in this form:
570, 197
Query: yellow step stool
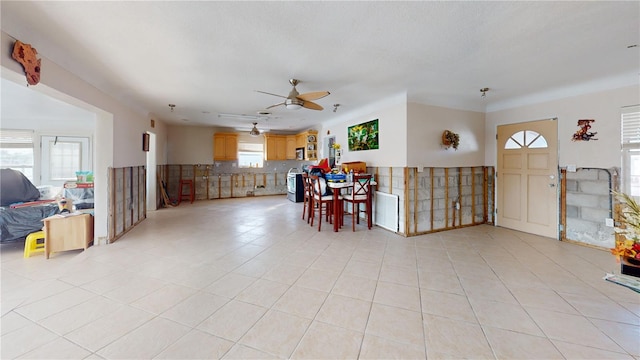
31, 244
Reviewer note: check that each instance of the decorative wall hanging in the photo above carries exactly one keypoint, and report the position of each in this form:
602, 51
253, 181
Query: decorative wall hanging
450, 139
363, 136
27, 56
584, 134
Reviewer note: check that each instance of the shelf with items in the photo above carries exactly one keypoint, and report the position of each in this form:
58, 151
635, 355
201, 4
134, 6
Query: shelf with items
311, 145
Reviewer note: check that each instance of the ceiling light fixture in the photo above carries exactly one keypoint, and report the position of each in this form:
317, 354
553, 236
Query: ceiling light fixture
335, 107
293, 104
484, 92
172, 106
254, 131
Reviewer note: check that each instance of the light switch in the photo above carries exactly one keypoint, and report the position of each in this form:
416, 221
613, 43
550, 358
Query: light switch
571, 168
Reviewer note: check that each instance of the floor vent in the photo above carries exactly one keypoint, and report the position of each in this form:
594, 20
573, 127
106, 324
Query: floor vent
386, 211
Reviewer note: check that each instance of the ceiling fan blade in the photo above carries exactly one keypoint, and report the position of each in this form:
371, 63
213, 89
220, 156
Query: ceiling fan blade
272, 106
312, 105
313, 95
264, 92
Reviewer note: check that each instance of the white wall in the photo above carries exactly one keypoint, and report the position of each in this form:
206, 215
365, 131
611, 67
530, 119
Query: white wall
392, 127
190, 144
602, 106
426, 124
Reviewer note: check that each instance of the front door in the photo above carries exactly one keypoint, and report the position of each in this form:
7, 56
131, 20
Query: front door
528, 177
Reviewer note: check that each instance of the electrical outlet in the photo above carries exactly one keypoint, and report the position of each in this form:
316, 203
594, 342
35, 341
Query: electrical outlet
608, 222
457, 206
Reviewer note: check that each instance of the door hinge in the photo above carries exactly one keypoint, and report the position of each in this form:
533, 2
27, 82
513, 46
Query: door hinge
496, 136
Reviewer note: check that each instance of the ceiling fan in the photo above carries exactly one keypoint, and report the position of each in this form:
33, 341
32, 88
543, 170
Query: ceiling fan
295, 100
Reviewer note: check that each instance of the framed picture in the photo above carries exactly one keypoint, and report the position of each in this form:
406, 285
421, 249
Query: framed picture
363, 136
145, 142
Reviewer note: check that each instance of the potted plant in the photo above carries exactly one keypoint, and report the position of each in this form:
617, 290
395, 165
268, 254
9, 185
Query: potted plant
450, 139
627, 243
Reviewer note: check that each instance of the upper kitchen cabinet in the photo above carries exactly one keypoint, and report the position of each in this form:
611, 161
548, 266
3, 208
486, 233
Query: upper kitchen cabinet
225, 146
276, 148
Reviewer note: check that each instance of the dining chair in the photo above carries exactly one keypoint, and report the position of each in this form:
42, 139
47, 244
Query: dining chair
360, 194
307, 207
320, 201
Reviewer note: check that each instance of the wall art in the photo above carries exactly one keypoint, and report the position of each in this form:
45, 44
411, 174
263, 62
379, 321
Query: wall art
363, 136
584, 134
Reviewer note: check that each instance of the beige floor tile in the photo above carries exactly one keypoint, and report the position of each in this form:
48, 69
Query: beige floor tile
402, 296
276, 333
487, 289
46, 307
23, 340
345, 312
601, 308
196, 345
330, 263
396, 324
80, 315
263, 293
146, 341
318, 280
199, 277
59, 348
542, 299
441, 282
399, 275
448, 305
625, 335
355, 287
195, 309
164, 298
230, 285
572, 328
133, 288
12, 321
301, 302
324, 341
443, 336
505, 316
575, 351
284, 273
514, 345
375, 348
241, 352
107, 329
233, 320
365, 269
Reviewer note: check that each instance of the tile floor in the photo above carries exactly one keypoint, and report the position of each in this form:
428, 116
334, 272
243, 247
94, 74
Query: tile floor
248, 279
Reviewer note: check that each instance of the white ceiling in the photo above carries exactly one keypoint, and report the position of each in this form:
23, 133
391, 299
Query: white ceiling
210, 57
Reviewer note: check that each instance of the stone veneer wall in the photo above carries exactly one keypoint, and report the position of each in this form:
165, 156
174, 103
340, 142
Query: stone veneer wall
588, 204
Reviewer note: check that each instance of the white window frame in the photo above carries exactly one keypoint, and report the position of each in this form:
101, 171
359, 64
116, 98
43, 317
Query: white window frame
85, 157
19, 139
630, 145
253, 147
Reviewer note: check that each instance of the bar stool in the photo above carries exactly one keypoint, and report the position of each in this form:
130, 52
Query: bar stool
190, 195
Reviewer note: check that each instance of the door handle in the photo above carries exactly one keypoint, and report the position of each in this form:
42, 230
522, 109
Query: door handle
552, 185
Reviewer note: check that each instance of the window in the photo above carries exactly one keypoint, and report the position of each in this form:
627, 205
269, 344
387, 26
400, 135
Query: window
527, 138
62, 156
631, 150
250, 151
16, 151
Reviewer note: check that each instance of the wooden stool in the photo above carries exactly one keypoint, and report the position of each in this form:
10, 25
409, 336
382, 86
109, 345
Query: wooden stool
191, 195
31, 244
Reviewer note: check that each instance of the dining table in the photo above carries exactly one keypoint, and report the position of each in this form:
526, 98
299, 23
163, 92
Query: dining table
336, 188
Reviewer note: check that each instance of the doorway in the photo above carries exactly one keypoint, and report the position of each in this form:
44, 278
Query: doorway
151, 173
527, 177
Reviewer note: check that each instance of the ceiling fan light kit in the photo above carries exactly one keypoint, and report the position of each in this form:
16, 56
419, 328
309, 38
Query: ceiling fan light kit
254, 131
295, 100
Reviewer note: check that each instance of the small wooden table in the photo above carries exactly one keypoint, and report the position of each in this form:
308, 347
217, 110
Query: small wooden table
336, 187
67, 233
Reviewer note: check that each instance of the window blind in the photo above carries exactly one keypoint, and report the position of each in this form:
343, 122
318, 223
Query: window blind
631, 124
16, 138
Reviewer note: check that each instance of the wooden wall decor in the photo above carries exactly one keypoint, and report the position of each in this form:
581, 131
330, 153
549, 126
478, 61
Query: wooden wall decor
27, 56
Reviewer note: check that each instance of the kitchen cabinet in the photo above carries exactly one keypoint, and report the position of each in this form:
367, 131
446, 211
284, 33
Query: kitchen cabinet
291, 147
225, 146
310, 145
276, 148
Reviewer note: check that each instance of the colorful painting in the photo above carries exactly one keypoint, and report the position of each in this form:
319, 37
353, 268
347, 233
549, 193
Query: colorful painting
363, 136
584, 134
